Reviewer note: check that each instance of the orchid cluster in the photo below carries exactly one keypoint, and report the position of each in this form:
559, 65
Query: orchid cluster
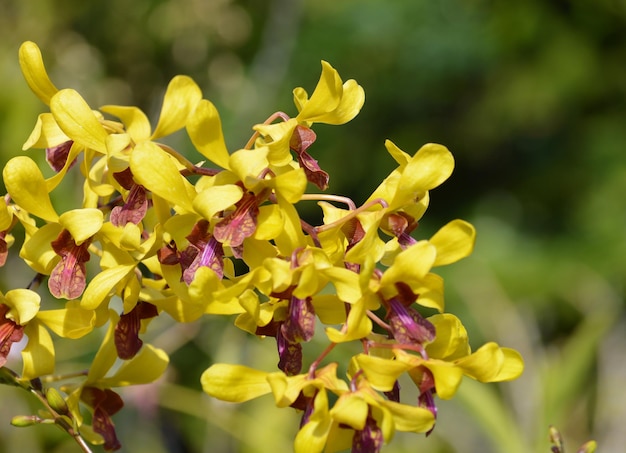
164, 236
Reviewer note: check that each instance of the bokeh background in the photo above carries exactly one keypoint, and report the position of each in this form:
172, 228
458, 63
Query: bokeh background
528, 95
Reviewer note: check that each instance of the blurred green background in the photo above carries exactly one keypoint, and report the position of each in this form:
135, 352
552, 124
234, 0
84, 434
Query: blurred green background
528, 95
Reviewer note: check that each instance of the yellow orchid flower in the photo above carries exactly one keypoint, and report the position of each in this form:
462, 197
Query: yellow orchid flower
95, 391
332, 102
20, 315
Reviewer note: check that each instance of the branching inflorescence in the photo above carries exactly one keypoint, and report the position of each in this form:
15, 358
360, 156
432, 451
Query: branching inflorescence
168, 247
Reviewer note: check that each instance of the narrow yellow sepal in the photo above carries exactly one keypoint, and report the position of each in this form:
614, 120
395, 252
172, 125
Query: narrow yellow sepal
38, 355
180, 100
205, 131
234, 383
35, 73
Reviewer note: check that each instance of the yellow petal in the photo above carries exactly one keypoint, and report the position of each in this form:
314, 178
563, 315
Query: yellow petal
447, 377
71, 322
312, 436
398, 155
352, 100
346, 283
325, 98
410, 264
35, 73
490, 363
6, 218
428, 168
156, 170
23, 303
45, 134
269, 223
291, 184
82, 223
292, 237
77, 120
513, 366
107, 353
276, 137
381, 373
326, 309
103, 285
451, 341
410, 418
350, 410
37, 251
216, 198
286, 389
38, 355
359, 325
147, 366
430, 290
454, 241
205, 131
54, 181
118, 152
135, 121
234, 383
180, 100
247, 164
27, 187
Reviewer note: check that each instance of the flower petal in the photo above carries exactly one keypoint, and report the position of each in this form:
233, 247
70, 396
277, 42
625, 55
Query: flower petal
325, 98
454, 241
205, 131
45, 134
381, 373
27, 187
135, 121
38, 355
154, 169
77, 120
147, 366
103, 284
35, 73
23, 303
82, 223
216, 198
234, 383
411, 264
70, 322
410, 418
181, 97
